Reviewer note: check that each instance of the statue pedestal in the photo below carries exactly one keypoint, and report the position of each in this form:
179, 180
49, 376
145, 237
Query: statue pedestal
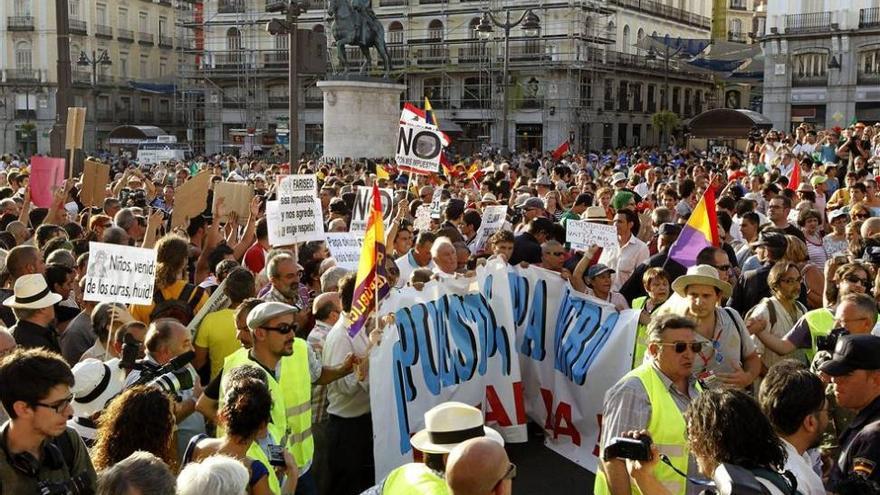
361, 118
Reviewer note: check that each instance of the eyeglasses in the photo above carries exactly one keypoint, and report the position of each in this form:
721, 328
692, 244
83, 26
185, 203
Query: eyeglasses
58, 407
283, 329
509, 474
723, 268
680, 347
855, 279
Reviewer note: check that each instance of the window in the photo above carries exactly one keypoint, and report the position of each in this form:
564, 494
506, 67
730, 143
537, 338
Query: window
233, 39
163, 67
586, 92
73, 8
811, 65
435, 30
395, 32
101, 14
869, 61
145, 63
472, 28
476, 92
437, 90
163, 27
23, 55
144, 22
609, 94
625, 48
146, 105
22, 8
123, 18
123, 64
281, 42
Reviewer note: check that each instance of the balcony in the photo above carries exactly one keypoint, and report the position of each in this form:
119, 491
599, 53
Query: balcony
277, 59
102, 31
738, 5
816, 22
737, 37
431, 2
231, 7
313, 5
667, 12
279, 102
106, 80
26, 114
392, 3
434, 55
233, 60
23, 75
20, 23
398, 55
473, 52
798, 81
145, 38
314, 101
872, 78
81, 77
869, 18
125, 35
77, 26
528, 51
166, 41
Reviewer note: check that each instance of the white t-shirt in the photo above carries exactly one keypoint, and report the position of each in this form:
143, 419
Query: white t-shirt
800, 466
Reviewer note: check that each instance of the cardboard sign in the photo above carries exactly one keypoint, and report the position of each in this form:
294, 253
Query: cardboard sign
582, 234
76, 123
121, 274
94, 186
419, 147
345, 247
296, 215
236, 197
493, 220
46, 175
190, 199
361, 208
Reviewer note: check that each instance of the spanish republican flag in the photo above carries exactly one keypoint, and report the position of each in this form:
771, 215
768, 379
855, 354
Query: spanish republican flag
371, 284
700, 232
430, 118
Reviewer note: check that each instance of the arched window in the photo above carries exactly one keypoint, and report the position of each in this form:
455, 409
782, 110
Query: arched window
435, 30
472, 28
23, 58
395, 32
318, 28
735, 27
233, 39
639, 37
626, 41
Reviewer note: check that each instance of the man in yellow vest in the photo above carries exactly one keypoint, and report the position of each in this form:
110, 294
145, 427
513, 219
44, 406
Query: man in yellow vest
291, 367
446, 426
653, 397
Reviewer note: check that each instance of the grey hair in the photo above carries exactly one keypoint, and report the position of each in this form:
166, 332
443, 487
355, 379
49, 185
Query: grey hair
274, 261
101, 316
439, 243
661, 324
331, 278
217, 475
549, 246
24, 313
141, 471
125, 218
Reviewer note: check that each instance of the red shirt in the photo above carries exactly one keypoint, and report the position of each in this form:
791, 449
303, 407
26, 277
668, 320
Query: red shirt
255, 258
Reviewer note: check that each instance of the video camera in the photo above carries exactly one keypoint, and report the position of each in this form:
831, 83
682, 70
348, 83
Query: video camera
78, 485
637, 449
829, 342
172, 378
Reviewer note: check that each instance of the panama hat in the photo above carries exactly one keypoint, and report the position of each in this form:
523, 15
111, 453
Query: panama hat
595, 214
701, 275
31, 292
95, 383
449, 424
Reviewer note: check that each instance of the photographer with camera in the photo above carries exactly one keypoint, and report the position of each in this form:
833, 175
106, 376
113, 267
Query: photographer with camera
41, 454
653, 397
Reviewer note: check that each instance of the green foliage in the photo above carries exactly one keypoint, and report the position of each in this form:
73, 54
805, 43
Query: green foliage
665, 121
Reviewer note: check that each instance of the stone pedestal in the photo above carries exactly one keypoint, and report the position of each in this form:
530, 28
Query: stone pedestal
361, 118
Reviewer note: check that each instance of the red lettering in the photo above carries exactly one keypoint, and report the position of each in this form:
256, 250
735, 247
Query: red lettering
548, 407
559, 422
494, 409
520, 403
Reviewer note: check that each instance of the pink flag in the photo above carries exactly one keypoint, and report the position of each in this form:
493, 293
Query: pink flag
46, 174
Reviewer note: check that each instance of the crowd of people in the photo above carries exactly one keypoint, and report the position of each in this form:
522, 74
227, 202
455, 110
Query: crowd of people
755, 363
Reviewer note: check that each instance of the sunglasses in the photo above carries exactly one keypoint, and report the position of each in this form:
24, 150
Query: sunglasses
680, 347
283, 329
854, 279
509, 474
58, 407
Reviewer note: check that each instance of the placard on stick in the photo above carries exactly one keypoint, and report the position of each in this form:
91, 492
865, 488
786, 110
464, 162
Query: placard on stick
94, 187
121, 274
583, 234
190, 199
46, 174
236, 197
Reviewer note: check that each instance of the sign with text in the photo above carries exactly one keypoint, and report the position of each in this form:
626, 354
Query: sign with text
345, 247
493, 220
582, 234
419, 147
120, 274
296, 215
361, 209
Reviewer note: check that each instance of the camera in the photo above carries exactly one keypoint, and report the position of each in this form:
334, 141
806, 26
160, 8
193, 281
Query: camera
637, 449
829, 342
171, 378
78, 485
276, 456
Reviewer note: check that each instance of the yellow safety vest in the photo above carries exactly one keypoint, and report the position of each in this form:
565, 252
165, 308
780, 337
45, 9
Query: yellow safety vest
414, 479
668, 431
821, 322
641, 335
291, 423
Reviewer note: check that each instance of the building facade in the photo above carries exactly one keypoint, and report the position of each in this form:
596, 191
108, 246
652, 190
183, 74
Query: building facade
133, 84
582, 78
822, 62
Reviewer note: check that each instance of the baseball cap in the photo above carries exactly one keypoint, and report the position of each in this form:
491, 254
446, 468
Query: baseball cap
617, 177
835, 214
853, 352
598, 269
266, 311
818, 179
771, 240
533, 203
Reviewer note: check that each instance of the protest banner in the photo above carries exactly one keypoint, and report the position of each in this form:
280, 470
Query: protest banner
422, 221
345, 247
96, 175
298, 184
216, 302
296, 215
515, 342
493, 219
120, 274
418, 148
236, 197
362, 208
190, 199
582, 234
46, 175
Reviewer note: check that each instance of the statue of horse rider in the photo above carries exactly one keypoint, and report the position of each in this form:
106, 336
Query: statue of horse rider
367, 16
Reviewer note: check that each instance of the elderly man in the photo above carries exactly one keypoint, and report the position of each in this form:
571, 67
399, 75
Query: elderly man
479, 466
444, 256
417, 257
126, 220
34, 309
552, 256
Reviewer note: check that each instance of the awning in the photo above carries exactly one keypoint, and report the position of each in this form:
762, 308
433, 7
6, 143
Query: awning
157, 88
727, 123
450, 126
135, 134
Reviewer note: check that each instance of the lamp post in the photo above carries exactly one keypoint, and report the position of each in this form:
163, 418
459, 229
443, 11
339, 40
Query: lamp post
531, 27
287, 26
664, 104
94, 62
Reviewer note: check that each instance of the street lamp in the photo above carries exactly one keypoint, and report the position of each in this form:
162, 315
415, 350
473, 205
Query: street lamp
531, 26
287, 26
94, 62
652, 55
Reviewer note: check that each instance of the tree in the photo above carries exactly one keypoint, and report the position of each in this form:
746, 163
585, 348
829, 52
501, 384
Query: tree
666, 121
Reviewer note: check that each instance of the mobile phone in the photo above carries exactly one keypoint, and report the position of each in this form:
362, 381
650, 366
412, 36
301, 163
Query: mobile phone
276, 456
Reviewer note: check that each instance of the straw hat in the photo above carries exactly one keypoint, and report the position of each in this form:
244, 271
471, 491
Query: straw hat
701, 275
595, 214
95, 383
449, 424
31, 292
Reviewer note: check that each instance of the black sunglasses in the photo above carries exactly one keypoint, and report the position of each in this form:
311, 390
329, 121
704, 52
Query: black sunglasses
283, 329
679, 347
855, 279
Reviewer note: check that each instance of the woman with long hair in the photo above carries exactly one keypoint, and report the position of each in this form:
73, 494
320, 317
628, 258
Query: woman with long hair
172, 280
141, 418
813, 278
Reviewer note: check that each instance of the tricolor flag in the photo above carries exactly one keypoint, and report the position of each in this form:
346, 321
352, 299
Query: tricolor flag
561, 150
371, 284
700, 232
430, 118
794, 179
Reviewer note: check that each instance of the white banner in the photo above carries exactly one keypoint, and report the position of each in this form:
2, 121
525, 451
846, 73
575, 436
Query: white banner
296, 215
361, 209
493, 219
419, 147
513, 341
345, 247
583, 234
120, 274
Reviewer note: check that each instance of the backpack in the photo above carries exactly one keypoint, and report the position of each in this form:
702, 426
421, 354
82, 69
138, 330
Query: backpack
771, 309
182, 309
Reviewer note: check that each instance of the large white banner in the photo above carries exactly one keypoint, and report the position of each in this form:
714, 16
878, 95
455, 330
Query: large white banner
120, 274
515, 342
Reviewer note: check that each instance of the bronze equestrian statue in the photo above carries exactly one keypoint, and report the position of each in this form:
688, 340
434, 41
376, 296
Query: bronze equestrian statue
356, 24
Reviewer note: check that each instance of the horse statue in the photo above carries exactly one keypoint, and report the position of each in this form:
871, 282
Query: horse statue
354, 23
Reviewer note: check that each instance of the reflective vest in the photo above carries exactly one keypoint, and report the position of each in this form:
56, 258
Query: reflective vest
641, 335
667, 429
291, 423
414, 479
820, 321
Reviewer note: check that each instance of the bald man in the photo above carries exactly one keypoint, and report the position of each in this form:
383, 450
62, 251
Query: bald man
479, 466
7, 345
327, 308
870, 227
